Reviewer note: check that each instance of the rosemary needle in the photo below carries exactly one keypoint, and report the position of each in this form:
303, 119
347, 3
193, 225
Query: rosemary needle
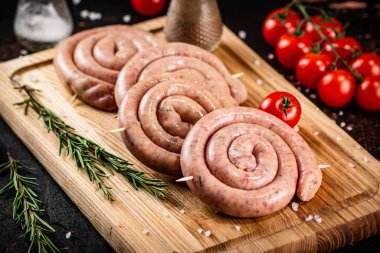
26, 207
88, 155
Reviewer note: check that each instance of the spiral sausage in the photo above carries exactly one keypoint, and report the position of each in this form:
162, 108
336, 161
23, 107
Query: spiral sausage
90, 61
191, 62
157, 114
246, 163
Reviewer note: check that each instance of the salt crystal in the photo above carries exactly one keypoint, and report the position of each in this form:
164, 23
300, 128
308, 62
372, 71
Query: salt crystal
200, 230
237, 228
259, 82
182, 211
351, 165
342, 124
295, 206
242, 34
165, 213
338, 138
349, 128
317, 109
319, 220
365, 159
313, 96
183, 179
270, 56
257, 62
307, 90
23, 52
76, 2
316, 216
316, 133
340, 113
323, 166
145, 231
127, 18
309, 217
357, 146
84, 14
296, 128
93, 16
68, 234
208, 233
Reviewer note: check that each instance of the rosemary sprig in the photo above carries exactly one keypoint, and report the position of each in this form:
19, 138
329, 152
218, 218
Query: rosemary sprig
88, 155
26, 207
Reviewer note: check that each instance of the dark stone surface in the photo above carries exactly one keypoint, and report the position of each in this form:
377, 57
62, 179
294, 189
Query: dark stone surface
62, 214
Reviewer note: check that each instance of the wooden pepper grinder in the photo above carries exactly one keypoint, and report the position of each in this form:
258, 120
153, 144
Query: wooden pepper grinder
197, 22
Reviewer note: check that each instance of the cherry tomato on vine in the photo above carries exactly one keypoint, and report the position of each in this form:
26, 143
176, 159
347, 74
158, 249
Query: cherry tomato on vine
348, 48
368, 94
330, 27
367, 65
282, 105
337, 88
311, 67
279, 22
148, 7
290, 48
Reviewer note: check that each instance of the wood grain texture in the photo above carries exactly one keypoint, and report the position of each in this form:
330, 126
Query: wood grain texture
348, 201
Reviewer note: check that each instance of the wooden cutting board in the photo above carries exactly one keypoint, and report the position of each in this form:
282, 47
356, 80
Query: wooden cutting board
348, 201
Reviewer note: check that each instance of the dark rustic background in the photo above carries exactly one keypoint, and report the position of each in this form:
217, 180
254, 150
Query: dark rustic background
239, 15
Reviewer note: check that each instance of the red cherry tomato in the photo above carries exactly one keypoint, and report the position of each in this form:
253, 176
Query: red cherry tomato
337, 88
148, 7
368, 94
290, 48
311, 67
367, 65
346, 47
329, 27
282, 105
279, 22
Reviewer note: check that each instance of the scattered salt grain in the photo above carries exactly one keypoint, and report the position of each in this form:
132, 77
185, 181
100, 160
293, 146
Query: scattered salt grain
23, 52
313, 96
365, 159
342, 124
317, 108
357, 146
296, 128
127, 18
145, 231
319, 220
307, 90
259, 82
208, 233
338, 138
349, 128
165, 213
182, 211
340, 113
237, 75
76, 2
200, 230
351, 165
242, 34
323, 166
316, 133
295, 206
68, 235
237, 228
270, 56
92, 16
309, 217
257, 62
84, 14
183, 179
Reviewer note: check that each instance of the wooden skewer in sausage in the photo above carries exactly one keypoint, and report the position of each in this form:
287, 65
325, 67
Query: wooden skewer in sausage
191, 62
247, 163
90, 61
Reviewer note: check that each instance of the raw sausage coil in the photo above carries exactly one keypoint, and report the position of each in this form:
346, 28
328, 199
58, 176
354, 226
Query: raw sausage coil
90, 61
157, 114
191, 62
248, 163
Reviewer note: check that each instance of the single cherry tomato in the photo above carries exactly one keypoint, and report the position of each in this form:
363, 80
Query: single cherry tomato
348, 48
367, 65
279, 22
282, 105
368, 94
290, 48
148, 7
337, 88
311, 67
330, 27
